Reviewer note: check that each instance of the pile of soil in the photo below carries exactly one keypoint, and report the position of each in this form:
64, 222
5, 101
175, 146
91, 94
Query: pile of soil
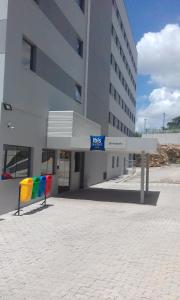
168, 154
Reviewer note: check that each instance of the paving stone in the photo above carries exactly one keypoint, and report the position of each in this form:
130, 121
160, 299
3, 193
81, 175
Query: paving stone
87, 249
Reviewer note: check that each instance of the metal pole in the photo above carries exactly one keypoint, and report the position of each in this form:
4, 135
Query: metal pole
45, 200
19, 200
145, 123
142, 177
164, 117
147, 173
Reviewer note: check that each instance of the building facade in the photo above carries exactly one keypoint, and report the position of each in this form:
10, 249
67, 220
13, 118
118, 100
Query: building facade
66, 67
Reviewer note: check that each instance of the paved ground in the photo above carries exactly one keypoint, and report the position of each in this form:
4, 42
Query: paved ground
77, 248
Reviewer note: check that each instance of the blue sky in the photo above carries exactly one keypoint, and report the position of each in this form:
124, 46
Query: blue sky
150, 16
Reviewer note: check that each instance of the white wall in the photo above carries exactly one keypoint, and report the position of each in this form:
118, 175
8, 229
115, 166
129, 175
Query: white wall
95, 166
116, 171
29, 95
165, 138
2, 65
3, 9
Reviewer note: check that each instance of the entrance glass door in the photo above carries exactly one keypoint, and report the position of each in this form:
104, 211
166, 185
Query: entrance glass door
64, 163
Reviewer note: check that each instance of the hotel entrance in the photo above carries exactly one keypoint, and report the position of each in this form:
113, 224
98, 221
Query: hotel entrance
64, 168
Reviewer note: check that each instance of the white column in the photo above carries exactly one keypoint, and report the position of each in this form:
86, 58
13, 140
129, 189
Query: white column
147, 173
142, 177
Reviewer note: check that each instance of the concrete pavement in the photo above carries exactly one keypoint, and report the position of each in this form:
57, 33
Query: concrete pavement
77, 248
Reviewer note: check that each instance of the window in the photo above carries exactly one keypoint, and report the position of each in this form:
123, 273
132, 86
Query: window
77, 158
113, 162
119, 75
117, 162
80, 47
78, 92
117, 124
111, 59
110, 88
122, 127
81, 4
114, 121
16, 162
110, 118
29, 56
48, 162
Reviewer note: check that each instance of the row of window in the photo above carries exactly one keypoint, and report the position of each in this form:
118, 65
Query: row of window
113, 162
17, 162
119, 125
122, 79
118, 44
79, 42
121, 102
29, 61
124, 33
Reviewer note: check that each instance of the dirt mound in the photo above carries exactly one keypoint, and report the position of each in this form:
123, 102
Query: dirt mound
168, 154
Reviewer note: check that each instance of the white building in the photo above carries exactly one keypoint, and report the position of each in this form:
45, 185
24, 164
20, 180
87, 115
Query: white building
67, 68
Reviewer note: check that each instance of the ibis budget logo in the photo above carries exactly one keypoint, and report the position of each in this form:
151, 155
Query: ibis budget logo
97, 143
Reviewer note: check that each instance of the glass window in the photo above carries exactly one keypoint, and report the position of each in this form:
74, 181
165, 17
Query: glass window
115, 94
117, 162
80, 47
117, 124
122, 127
114, 121
48, 162
16, 162
110, 118
78, 91
77, 158
110, 88
113, 162
81, 4
29, 56
119, 75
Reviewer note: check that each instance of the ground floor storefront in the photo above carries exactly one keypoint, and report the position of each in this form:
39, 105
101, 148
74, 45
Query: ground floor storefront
65, 152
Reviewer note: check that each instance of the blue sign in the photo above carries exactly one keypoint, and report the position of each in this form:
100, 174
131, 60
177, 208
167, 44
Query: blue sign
97, 143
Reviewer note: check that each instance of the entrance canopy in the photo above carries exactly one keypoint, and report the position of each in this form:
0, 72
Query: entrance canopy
112, 144
70, 131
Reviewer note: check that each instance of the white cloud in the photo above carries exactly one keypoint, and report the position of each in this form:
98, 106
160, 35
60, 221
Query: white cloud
162, 100
159, 56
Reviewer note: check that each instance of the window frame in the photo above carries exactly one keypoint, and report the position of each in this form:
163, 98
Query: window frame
53, 165
77, 162
80, 47
117, 162
113, 162
78, 88
33, 51
16, 148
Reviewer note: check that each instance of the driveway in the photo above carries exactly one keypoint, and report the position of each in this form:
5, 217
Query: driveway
94, 245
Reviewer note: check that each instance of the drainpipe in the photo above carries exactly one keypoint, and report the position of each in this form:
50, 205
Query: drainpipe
87, 57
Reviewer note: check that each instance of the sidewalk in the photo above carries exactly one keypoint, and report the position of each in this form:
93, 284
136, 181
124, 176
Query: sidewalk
77, 248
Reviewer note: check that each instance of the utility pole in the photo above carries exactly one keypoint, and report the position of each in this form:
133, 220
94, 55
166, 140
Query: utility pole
164, 118
145, 123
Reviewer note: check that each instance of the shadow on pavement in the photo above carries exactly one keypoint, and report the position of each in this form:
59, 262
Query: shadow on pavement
36, 210
112, 195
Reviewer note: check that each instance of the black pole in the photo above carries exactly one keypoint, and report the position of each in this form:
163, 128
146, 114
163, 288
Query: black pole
19, 200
